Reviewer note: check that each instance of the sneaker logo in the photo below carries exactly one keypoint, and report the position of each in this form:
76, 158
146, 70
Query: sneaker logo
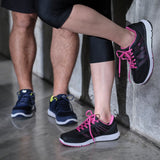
53, 98
24, 91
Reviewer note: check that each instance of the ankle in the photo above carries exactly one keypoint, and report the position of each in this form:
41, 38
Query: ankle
129, 39
58, 93
106, 118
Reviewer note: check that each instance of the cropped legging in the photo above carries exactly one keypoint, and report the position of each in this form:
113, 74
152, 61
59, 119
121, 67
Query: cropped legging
56, 12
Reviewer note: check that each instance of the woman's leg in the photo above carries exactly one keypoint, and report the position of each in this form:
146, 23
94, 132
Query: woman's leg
102, 65
135, 40
87, 21
82, 19
103, 76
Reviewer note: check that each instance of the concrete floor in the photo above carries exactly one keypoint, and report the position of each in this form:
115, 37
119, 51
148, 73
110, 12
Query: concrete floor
37, 138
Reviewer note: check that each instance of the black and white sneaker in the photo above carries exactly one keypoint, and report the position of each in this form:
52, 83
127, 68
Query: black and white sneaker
139, 54
90, 131
25, 105
60, 108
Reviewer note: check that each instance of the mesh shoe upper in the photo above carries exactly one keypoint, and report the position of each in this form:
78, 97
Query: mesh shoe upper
25, 103
91, 130
62, 109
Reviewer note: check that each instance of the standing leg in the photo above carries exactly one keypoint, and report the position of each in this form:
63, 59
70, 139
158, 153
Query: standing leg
64, 51
23, 51
103, 75
23, 47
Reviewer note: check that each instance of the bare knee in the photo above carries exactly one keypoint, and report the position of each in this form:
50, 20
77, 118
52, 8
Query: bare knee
23, 21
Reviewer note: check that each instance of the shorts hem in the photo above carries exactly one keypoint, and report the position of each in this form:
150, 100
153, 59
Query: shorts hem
18, 10
101, 61
65, 17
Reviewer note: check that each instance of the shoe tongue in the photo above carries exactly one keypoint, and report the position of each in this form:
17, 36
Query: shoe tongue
62, 96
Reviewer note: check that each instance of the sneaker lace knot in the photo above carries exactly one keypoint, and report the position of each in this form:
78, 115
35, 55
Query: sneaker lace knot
129, 56
91, 119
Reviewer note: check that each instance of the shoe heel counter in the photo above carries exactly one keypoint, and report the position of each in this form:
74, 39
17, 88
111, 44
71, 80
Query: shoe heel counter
114, 126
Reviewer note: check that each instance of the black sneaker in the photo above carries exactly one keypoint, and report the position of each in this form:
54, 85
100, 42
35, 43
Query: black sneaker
90, 131
139, 53
25, 105
61, 109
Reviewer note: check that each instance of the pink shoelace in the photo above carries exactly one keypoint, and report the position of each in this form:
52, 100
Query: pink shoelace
126, 55
91, 119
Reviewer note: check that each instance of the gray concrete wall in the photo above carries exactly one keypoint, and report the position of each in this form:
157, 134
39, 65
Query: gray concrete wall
144, 110
137, 107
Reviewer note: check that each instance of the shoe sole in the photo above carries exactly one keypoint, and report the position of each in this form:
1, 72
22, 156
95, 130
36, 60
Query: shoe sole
68, 121
97, 139
20, 114
149, 48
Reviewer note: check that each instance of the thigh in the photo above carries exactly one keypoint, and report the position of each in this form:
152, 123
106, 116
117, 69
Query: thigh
100, 49
23, 6
102, 6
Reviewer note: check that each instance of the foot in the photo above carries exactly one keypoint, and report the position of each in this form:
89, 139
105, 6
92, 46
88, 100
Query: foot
60, 109
25, 105
139, 53
90, 131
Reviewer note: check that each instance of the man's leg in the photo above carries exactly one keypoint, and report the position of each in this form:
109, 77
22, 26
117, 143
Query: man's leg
64, 50
23, 47
23, 50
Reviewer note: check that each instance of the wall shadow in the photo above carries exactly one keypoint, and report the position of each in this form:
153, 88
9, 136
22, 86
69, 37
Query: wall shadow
86, 72
47, 66
4, 32
119, 10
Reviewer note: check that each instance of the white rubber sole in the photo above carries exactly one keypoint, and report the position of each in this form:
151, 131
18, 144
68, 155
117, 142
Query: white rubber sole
23, 114
51, 114
97, 139
149, 47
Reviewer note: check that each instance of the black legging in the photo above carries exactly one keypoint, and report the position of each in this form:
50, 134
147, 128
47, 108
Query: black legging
56, 12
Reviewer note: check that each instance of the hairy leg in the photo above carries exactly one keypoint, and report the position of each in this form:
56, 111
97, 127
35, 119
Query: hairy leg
23, 47
64, 51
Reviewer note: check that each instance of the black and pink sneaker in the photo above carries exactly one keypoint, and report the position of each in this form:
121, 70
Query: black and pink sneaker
90, 131
139, 54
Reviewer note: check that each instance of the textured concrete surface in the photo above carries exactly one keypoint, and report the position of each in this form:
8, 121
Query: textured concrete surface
37, 138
